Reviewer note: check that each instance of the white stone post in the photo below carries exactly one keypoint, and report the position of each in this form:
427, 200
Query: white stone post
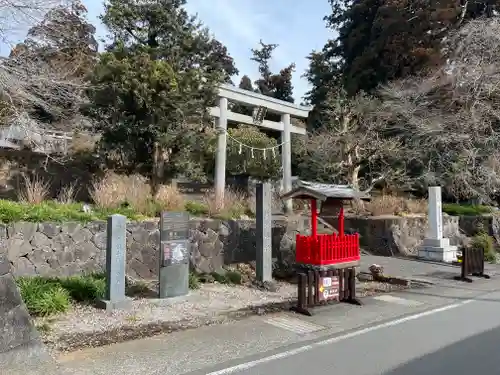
435, 247
220, 157
435, 214
286, 157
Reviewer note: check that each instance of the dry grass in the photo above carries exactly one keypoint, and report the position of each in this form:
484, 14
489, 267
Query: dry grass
170, 198
277, 204
82, 142
133, 194
33, 190
67, 194
235, 204
108, 192
113, 190
138, 194
390, 205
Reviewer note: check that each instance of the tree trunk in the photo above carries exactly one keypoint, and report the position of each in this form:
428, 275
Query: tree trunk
158, 169
354, 177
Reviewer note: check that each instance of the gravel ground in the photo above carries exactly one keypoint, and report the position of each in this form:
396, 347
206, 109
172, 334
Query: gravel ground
86, 326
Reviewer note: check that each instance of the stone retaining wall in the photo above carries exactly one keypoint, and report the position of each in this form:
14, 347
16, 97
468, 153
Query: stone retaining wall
53, 249
396, 235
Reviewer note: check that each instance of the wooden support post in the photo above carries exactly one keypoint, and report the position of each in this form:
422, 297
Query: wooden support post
341, 222
314, 218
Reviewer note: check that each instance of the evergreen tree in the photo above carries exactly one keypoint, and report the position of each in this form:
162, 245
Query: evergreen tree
278, 86
153, 85
246, 83
382, 40
324, 79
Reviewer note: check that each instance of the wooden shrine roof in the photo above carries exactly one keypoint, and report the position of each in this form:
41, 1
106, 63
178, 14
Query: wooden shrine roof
315, 190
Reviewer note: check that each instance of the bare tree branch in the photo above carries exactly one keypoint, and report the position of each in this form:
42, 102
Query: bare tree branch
352, 146
42, 82
17, 16
451, 119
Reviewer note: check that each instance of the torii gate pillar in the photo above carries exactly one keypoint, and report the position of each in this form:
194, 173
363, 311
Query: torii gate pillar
286, 160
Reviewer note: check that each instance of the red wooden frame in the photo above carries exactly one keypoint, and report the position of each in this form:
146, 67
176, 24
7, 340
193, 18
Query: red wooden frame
327, 249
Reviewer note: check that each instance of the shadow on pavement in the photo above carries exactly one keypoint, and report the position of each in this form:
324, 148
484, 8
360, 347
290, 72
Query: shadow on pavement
475, 355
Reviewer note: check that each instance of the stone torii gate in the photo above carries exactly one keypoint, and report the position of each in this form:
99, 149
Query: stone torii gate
263, 105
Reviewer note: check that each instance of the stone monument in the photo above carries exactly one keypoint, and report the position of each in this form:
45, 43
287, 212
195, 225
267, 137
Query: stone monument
116, 252
435, 247
174, 255
264, 262
21, 350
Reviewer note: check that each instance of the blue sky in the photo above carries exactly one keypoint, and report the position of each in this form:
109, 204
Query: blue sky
297, 26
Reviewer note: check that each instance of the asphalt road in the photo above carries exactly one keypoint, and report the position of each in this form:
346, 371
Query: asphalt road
460, 339
419, 331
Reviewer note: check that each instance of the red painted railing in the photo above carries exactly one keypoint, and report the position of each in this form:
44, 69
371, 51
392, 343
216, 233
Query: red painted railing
327, 249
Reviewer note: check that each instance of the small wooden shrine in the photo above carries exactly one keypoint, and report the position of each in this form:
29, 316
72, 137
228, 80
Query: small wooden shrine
326, 250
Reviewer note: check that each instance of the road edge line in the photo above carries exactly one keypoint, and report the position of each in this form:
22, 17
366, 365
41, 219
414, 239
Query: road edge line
289, 353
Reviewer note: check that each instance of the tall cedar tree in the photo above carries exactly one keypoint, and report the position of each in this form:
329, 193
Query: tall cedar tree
382, 40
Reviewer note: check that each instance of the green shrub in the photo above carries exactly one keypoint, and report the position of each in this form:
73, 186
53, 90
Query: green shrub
48, 296
85, 288
194, 281
233, 212
456, 209
54, 211
234, 277
252, 162
11, 211
60, 212
43, 296
485, 242
196, 208
219, 277
52, 301
129, 212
